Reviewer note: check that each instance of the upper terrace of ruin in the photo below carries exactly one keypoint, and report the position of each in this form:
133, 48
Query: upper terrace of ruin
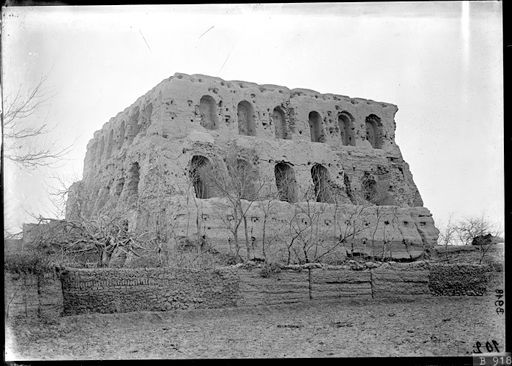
230, 108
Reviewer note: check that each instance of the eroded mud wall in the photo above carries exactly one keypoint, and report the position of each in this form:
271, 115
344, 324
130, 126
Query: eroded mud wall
160, 289
139, 162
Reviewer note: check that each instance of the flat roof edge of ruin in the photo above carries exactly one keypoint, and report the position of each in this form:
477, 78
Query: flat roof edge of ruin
293, 92
180, 75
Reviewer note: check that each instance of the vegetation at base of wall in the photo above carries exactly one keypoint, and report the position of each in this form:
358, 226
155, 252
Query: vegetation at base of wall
269, 269
197, 258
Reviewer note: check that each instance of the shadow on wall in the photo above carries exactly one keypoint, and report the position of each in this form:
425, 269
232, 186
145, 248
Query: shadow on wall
374, 131
315, 127
285, 182
246, 125
208, 111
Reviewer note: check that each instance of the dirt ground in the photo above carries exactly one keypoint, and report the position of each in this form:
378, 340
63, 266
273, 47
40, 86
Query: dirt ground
434, 326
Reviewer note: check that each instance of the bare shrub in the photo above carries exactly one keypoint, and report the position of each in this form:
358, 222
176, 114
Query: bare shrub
269, 269
237, 181
468, 231
470, 228
71, 242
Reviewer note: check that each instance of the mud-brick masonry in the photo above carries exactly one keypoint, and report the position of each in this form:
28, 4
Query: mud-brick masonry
160, 289
140, 164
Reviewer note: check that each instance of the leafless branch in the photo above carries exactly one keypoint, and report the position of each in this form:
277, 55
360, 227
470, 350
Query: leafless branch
17, 133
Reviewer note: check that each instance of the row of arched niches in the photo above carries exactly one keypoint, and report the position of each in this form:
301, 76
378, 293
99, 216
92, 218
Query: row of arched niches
201, 173
283, 128
245, 176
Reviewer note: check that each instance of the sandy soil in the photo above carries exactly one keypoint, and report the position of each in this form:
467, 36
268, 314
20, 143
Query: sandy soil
435, 326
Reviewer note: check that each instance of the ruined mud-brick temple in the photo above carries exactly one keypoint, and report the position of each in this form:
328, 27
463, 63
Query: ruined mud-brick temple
323, 164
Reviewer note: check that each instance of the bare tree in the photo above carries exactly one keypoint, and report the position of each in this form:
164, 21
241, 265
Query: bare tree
378, 215
474, 230
350, 225
241, 188
100, 237
447, 236
267, 208
18, 133
59, 193
470, 228
317, 230
305, 226
391, 227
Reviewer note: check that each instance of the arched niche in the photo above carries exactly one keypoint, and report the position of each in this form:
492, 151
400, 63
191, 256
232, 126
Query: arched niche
285, 182
245, 113
320, 177
208, 110
200, 174
346, 125
374, 131
243, 178
315, 127
369, 188
279, 119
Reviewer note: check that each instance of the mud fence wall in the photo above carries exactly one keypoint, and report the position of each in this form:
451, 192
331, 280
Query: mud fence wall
31, 296
124, 290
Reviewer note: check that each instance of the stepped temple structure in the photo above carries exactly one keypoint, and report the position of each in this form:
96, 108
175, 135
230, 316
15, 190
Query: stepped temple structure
327, 179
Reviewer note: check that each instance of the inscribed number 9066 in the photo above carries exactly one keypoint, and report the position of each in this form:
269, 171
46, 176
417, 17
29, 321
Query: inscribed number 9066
499, 303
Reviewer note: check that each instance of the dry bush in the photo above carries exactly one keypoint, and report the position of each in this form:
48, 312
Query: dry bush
468, 231
465, 230
74, 242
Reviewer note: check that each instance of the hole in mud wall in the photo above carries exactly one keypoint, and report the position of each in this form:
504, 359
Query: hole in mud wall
369, 187
132, 181
374, 131
320, 177
246, 125
279, 119
110, 142
200, 167
315, 127
243, 177
285, 182
208, 110
346, 125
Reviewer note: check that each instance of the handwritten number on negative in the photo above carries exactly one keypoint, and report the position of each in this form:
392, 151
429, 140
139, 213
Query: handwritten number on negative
499, 303
489, 346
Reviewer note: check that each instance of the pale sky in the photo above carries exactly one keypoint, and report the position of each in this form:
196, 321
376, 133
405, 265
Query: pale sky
441, 63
